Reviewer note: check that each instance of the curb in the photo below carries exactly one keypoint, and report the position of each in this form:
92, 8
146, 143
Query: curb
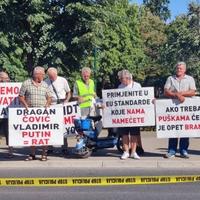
142, 164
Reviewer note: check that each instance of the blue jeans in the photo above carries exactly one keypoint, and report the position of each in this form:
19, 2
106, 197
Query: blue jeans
183, 145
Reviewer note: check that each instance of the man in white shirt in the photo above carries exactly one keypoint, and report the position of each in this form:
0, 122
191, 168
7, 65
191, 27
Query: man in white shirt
179, 86
61, 93
58, 86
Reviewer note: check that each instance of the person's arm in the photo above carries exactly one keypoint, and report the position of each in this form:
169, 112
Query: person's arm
23, 101
174, 95
48, 97
21, 96
188, 93
67, 90
48, 103
67, 96
76, 96
179, 95
169, 93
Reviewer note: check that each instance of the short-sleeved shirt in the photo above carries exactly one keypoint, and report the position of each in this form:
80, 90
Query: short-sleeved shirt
61, 86
35, 96
176, 85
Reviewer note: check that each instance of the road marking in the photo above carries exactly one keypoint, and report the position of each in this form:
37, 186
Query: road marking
96, 181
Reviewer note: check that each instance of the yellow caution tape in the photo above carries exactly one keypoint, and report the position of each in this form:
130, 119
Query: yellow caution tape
97, 181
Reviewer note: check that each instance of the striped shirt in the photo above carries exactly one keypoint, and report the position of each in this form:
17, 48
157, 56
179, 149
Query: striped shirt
35, 96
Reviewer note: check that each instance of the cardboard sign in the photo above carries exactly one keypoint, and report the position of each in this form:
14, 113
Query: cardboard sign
71, 111
128, 107
176, 120
36, 126
8, 97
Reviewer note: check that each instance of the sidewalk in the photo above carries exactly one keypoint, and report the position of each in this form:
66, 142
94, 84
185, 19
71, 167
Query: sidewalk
153, 157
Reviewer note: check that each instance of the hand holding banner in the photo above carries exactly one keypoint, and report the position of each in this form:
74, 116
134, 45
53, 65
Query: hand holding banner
128, 107
176, 120
36, 126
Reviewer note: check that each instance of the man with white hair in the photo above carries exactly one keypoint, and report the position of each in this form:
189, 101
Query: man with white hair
35, 92
59, 87
60, 94
178, 87
84, 92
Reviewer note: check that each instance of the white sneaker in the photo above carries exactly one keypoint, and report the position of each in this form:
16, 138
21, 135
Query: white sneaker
125, 155
135, 156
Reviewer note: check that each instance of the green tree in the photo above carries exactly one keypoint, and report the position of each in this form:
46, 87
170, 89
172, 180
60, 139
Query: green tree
193, 60
25, 25
118, 36
158, 8
28, 35
153, 34
183, 42
108, 27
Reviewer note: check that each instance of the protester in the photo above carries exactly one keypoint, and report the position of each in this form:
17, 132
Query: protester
59, 87
35, 93
84, 92
60, 94
178, 87
125, 78
139, 148
4, 122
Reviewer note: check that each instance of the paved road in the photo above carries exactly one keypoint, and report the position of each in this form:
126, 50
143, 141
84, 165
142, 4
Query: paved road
183, 191
153, 192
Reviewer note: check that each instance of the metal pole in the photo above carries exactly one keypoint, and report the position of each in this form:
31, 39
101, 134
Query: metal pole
95, 65
198, 14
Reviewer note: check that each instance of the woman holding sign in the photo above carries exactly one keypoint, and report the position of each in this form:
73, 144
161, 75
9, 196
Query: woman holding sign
125, 78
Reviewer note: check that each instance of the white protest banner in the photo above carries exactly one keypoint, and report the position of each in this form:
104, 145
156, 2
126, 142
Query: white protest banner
128, 107
176, 120
36, 126
8, 97
71, 111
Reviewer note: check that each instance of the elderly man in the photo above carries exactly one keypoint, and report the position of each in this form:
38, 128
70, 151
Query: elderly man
178, 87
60, 94
35, 93
59, 87
4, 122
84, 92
